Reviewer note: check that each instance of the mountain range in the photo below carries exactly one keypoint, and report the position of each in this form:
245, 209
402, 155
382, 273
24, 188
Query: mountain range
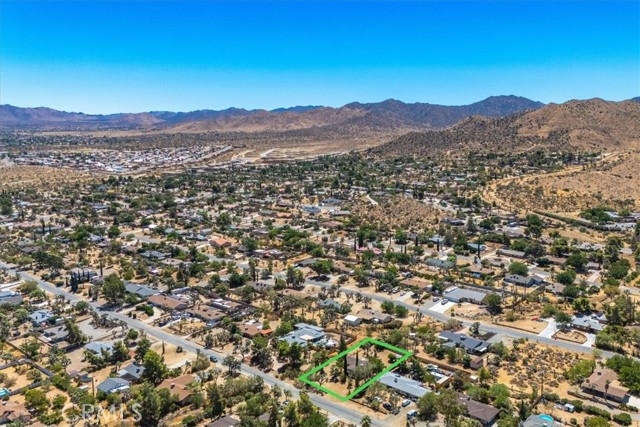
389, 115
591, 125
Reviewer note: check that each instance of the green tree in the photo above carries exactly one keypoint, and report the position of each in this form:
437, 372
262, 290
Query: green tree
150, 405
428, 406
36, 400
113, 289
155, 369
519, 268
216, 400
494, 303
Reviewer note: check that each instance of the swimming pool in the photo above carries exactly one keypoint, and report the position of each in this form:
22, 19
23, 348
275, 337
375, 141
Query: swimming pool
545, 417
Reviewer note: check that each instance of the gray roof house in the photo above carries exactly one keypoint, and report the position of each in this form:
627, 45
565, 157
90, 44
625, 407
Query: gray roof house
438, 263
457, 294
482, 412
519, 280
403, 385
10, 297
140, 290
587, 323
113, 385
40, 316
471, 345
55, 334
304, 334
98, 347
132, 372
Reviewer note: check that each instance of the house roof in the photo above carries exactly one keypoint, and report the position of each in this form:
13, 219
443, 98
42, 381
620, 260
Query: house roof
465, 293
206, 313
132, 370
97, 347
178, 386
373, 314
462, 340
111, 385
405, 385
224, 422
479, 411
601, 378
167, 301
589, 322
140, 290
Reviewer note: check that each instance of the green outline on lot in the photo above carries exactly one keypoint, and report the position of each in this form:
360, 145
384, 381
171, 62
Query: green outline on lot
405, 355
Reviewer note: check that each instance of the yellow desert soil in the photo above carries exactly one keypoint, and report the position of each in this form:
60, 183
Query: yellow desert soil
38, 176
570, 189
397, 212
571, 336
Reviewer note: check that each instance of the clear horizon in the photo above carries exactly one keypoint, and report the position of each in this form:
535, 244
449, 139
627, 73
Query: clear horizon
129, 57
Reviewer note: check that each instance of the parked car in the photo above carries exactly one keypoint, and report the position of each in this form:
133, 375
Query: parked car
444, 301
213, 359
406, 403
436, 299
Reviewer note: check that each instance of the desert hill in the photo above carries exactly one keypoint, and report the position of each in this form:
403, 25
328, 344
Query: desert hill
592, 124
387, 116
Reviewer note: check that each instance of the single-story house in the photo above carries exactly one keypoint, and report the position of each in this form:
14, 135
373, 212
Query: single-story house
226, 421
132, 372
604, 382
471, 345
168, 302
113, 385
40, 316
220, 242
439, 264
457, 294
482, 412
178, 387
374, 316
99, 347
516, 279
141, 291
416, 282
352, 320
304, 335
207, 313
10, 297
511, 253
55, 334
585, 323
405, 386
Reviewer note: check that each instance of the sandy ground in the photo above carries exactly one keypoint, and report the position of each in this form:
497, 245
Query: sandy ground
571, 336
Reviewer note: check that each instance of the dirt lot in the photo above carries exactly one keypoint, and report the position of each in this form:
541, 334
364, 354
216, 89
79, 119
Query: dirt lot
571, 336
533, 326
37, 176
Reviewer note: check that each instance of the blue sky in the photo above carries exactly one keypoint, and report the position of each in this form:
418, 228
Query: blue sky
122, 56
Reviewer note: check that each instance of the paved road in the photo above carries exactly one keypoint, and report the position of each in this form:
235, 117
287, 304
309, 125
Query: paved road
333, 408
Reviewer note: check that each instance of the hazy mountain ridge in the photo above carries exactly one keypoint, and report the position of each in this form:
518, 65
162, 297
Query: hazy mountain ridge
592, 124
387, 115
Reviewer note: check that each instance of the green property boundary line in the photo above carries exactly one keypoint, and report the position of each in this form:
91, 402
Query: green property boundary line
405, 355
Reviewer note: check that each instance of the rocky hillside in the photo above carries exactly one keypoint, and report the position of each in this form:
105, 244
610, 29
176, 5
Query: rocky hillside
586, 125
